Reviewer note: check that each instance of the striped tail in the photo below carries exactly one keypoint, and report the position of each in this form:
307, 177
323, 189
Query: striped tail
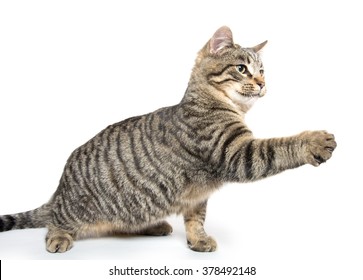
36, 218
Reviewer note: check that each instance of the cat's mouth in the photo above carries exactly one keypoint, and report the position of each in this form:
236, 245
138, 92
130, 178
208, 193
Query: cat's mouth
249, 95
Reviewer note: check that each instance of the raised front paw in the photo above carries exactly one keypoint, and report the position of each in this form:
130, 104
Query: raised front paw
319, 146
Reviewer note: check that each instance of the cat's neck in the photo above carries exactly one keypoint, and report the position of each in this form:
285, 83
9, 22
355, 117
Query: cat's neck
209, 97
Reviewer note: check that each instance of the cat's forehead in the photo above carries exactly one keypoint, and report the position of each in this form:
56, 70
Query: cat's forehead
245, 55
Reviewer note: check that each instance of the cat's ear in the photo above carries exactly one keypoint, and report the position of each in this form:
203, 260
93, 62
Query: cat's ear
222, 38
259, 47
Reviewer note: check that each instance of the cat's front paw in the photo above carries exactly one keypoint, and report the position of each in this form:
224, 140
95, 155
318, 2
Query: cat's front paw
319, 146
205, 244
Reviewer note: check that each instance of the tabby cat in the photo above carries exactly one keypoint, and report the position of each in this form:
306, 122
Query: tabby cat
135, 173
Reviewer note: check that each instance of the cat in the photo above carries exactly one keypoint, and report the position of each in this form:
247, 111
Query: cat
135, 173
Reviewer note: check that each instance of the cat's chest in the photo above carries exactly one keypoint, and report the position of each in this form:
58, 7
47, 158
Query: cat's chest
195, 194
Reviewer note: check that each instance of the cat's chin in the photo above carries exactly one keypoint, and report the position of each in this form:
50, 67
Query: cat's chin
248, 100
243, 100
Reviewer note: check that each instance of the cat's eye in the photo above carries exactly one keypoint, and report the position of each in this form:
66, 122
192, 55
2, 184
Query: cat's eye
262, 72
241, 68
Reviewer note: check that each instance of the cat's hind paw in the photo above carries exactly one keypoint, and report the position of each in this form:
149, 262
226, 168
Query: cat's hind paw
59, 243
161, 229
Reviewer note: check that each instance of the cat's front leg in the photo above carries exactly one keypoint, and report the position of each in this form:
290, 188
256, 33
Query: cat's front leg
253, 159
197, 238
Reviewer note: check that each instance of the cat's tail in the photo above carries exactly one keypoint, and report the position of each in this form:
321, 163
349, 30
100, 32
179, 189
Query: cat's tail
36, 218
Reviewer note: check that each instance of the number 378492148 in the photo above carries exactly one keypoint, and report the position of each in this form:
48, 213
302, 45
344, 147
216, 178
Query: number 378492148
229, 270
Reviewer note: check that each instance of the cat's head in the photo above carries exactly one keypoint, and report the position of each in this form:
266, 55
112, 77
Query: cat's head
233, 71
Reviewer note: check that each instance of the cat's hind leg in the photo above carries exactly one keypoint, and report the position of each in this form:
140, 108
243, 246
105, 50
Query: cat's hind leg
197, 238
58, 240
161, 229
106, 228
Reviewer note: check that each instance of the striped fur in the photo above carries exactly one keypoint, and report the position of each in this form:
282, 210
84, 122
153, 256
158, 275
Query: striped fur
135, 173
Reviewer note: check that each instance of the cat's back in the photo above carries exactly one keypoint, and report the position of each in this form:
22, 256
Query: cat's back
124, 140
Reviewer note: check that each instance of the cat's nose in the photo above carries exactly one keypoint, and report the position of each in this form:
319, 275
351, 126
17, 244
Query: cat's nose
261, 84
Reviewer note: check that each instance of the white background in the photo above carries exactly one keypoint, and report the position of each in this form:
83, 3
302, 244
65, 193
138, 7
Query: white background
70, 68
